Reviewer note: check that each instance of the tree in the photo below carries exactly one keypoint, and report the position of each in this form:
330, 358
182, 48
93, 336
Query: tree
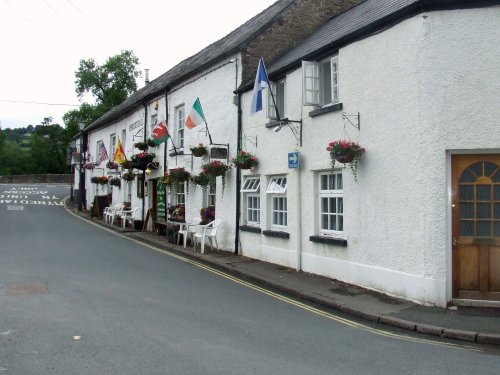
111, 83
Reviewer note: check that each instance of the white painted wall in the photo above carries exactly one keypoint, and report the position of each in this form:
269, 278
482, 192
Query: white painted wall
427, 86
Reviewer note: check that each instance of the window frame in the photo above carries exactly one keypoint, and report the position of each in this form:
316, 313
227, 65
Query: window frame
315, 84
333, 191
279, 91
251, 194
154, 121
97, 149
276, 190
112, 145
179, 125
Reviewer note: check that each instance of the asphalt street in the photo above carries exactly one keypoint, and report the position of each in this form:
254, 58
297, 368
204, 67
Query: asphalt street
78, 299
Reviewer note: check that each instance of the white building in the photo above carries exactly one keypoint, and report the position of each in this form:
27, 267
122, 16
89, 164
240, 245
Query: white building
419, 84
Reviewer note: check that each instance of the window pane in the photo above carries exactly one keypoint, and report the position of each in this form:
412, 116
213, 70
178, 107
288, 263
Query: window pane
340, 183
333, 223
341, 222
324, 182
483, 192
496, 191
477, 169
467, 210
324, 205
467, 176
324, 221
484, 211
497, 211
489, 168
466, 228
333, 205
483, 228
497, 229
326, 79
466, 192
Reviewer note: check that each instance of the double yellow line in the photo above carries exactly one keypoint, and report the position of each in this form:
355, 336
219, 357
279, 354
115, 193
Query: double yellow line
290, 301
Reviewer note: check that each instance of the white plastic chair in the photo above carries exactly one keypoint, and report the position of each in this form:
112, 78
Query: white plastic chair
110, 211
187, 231
209, 232
128, 216
117, 213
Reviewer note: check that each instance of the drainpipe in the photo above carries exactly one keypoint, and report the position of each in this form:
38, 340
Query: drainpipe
298, 226
144, 172
166, 124
238, 181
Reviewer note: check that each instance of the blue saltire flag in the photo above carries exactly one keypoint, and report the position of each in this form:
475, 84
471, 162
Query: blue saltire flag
261, 82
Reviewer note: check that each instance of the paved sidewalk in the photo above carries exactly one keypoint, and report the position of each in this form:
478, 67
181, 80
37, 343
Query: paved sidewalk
472, 324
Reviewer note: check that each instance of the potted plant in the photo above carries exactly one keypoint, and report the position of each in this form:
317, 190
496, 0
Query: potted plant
201, 179
100, 180
111, 165
141, 160
88, 165
166, 180
346, 152
128, 176
151, 143
215, 169
207, 215
245, 160
143, 146
199, 150
177, 212
115, 181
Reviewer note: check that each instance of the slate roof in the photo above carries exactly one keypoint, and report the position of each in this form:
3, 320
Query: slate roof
365, 18
217, 51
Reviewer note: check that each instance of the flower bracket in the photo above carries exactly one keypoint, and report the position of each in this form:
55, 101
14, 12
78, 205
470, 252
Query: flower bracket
294, 125
352, 119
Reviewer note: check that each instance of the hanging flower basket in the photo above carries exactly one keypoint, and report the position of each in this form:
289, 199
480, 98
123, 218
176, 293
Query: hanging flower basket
165, 181
151, 143
128, 176
100, 180
245, 160
199, 150
111, 165
346, 152
143, 146
201, 179
179, 175
141, 161
88, 166
115, 181
207, 215
216, 169
127, 164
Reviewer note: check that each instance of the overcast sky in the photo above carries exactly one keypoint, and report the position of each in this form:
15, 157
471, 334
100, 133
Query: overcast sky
43, 41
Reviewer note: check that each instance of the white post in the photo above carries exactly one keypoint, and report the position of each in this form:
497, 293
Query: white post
298, 221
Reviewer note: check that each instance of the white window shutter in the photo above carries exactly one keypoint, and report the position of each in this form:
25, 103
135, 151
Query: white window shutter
310, 83
335, 79
271, 112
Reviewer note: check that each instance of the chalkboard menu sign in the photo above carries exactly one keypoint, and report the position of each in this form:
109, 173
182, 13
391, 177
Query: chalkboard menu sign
161, 203
100, 202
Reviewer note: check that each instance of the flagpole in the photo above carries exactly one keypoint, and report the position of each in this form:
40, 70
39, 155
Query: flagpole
271, 91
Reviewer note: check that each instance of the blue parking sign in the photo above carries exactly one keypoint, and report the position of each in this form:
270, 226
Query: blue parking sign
293, 160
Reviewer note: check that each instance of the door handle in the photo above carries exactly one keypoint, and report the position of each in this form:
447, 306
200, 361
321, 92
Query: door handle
454, 241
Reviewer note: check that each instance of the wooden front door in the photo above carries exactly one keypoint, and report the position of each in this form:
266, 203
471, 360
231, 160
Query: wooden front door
476, 227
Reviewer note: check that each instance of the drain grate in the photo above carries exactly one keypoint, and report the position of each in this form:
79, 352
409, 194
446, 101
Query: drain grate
26, 289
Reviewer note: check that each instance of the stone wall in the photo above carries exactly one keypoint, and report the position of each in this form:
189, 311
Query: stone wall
289, 30
36, 179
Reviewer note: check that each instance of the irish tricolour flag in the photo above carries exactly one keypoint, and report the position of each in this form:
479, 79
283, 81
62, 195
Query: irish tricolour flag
196, 116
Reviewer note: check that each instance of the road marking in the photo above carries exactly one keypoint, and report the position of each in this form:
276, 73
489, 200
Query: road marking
303, 306
15, 208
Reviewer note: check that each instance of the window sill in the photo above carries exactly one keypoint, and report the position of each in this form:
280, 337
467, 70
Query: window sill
275, 233
328, 240
251, 229
272, 123
179, 151
326, 109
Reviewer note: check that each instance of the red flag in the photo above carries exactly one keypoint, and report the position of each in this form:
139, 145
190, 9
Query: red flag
160, 133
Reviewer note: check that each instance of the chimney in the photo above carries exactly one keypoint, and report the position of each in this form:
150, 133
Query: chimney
146, 76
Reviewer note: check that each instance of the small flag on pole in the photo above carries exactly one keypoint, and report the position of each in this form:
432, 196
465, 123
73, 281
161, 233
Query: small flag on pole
103, 154
160, 133
119, 155
196, 116
261, 82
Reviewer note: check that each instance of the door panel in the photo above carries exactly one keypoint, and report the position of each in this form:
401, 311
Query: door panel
476, 226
